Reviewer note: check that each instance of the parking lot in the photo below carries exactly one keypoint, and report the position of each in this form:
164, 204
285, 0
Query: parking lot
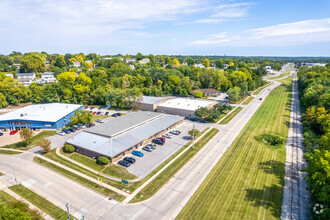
7, 139
151, 160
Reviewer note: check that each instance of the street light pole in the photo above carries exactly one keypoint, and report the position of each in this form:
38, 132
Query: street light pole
14, 175
193, 141
68, 209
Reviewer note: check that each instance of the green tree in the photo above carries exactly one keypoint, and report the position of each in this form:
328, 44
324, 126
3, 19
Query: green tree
33, 62
81, 117
194, 132
45, 144
68, 148
198, 94
234, 94
101, 160
139, 56
175, 62
206, 62
26, 134
190, 61
3, 101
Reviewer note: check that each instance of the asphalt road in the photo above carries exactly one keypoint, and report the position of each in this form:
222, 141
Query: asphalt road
166, 204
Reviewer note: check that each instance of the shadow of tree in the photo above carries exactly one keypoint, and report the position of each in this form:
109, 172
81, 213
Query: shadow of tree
270, 197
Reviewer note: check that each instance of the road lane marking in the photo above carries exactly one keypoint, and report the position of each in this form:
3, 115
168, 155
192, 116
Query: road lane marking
29, 183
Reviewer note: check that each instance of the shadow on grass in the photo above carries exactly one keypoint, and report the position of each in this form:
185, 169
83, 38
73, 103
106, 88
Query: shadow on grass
270, 197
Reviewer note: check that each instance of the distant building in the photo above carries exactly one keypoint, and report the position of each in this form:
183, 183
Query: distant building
107, 58
76, 64
199, 65
47, 77
313, 64
18, 66
184, 106
25, 82
9, 75
268, 67
131, 60
47, 63
207, 92
144, 61
47, 116
26, 76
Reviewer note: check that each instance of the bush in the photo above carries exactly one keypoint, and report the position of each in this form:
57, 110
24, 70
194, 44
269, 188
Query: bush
270, 139
102, 160
69, 148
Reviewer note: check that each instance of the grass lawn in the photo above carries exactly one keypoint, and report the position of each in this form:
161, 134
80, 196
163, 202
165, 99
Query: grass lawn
6, 198
248, 181
1, 174
94, 186
170, 171
33, 141
231, 115
40, 202
87, 161
247, 101
9, 152
118, 171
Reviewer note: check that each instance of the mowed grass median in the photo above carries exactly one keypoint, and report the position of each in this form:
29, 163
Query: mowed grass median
248, 181
231, 115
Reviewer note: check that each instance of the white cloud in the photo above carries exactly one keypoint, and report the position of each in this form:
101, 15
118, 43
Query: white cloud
283, 34
232, 10
209, 21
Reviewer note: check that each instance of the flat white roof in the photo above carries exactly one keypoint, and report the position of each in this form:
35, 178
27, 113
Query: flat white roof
154, 99
51, 112
186, 104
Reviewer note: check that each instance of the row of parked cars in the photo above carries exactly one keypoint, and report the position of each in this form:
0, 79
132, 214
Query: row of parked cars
74, 128
148, 148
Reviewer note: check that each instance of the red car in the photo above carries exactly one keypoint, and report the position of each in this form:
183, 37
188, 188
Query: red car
94, 113
13, 132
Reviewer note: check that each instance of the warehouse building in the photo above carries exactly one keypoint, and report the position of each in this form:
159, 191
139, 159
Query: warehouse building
183, 106
119, 136
150, 103
43, 116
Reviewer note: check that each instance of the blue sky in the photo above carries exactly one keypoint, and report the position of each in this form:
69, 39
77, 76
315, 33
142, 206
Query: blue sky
186, 27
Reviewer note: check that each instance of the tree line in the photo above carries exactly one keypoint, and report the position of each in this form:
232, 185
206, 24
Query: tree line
314, 89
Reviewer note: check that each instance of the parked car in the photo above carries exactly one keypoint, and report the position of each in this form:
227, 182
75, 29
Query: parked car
153, 146
124, 163
100, 121
202, 121
67, 131
147, 148
158, 141
130, 159
81, 126
75, 127
94, 113
108, 106
86, 106
100, 107
169, 136
119, 114
175, 132
161, 138
60, 133
91, 108
107, 113
137, 153
72, 129
91, 124
13, 132
260, 99
114, 115
1, 134
99, 113
91, 112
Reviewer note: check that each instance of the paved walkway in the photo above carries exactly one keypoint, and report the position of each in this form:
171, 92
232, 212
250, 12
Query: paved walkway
295, 196
31, 206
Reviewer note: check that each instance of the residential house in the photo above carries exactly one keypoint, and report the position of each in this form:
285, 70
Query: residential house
199, 65
26, 76
9, 75
76, 64
46, 77
25, 81
131, 60
144, 61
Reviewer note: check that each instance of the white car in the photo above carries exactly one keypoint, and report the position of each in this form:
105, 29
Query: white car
60, 133
167, 136
100, 121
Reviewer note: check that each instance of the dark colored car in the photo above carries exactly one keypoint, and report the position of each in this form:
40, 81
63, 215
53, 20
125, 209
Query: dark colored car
91, 124
107, 113
72, 129
147, 148
118, 114
98, 113
114, 115
86, 106
260, 99
67, 131
91, 111
137, 153
124, 163
1, 134
158, 141
161, 138
91, 108
130, 159
193, 119
100, 107
202, 121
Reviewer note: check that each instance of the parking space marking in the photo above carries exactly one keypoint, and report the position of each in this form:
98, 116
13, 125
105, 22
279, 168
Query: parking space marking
48, 184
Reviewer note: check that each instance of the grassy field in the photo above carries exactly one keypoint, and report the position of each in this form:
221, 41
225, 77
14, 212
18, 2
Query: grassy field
1, 174
34, 140
119, 172
248, 181
248, 100
40, 202
9, 152
12, 203
169, 172
231, 115
87, 161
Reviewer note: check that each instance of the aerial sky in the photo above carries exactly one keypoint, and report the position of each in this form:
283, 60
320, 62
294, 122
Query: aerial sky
170, 27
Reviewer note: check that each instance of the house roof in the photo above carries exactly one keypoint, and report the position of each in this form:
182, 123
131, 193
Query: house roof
208, 90
51, 112
21, 74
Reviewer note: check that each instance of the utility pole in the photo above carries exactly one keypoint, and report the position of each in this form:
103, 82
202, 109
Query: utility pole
68, 209
14, 175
